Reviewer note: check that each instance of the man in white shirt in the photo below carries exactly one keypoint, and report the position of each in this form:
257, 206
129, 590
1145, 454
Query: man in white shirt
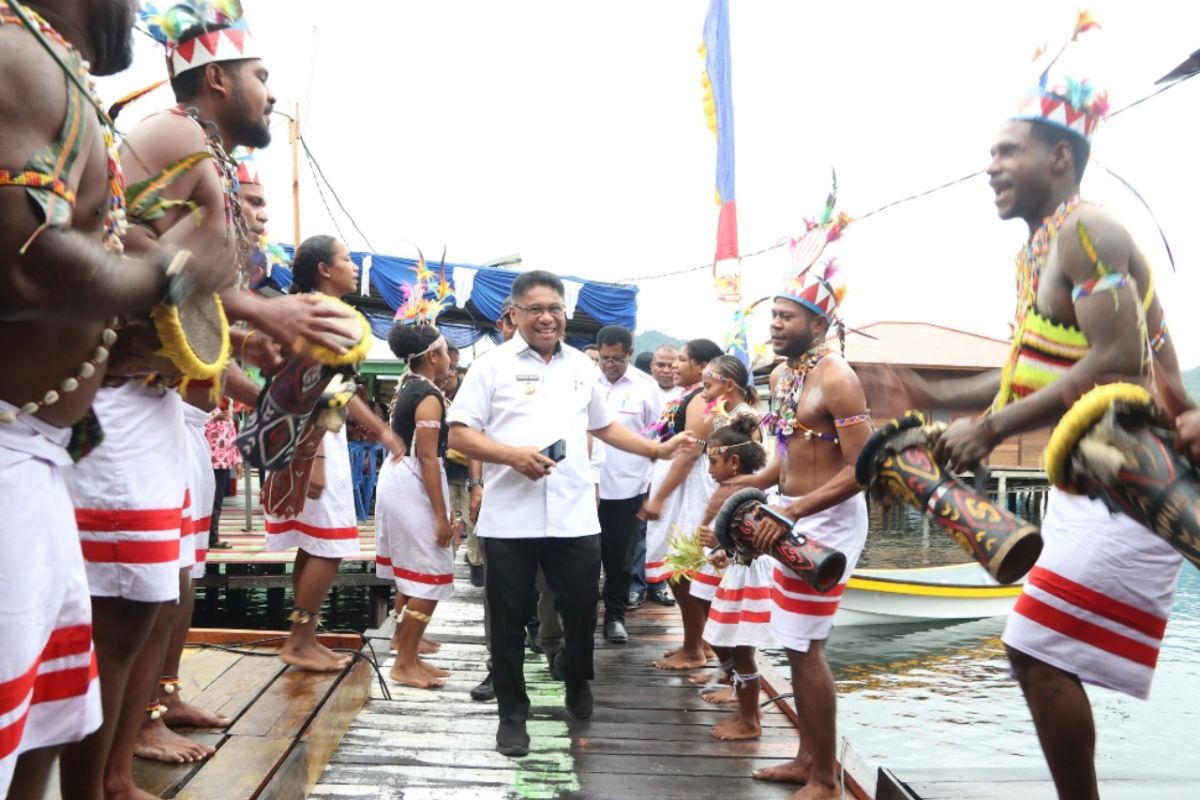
662, 369
632, 398
532, 394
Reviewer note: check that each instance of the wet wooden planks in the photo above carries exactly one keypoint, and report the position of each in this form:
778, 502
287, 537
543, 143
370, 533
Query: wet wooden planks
649, 735
286, 723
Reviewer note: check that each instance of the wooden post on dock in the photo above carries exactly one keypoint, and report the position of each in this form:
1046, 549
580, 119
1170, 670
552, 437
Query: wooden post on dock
294, 139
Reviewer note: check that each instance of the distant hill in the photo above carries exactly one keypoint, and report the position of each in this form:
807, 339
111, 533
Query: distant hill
649, 341
1191, 382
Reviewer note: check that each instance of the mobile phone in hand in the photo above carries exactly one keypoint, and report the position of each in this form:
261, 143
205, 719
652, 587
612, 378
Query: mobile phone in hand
557, 451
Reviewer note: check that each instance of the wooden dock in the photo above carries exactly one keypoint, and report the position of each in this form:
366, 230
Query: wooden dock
286, 723
649, 736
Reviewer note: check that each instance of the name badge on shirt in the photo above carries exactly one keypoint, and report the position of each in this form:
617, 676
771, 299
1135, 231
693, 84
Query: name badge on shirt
529, 382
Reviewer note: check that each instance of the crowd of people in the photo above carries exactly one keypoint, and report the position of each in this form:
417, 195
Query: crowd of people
557, 466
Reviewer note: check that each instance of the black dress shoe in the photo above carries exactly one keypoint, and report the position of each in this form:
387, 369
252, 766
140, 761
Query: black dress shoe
532, 640
484, 692
660, 595
614, 631
635, 601
555, 671
579, 699
477, 575
512, 739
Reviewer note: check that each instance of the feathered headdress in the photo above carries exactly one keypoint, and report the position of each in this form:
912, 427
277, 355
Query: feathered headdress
199, 32
818, 287
247, 164
1066, 102
417, 306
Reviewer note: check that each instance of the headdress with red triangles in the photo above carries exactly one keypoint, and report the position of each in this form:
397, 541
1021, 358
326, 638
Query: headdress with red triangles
200, 32
818, 287
1066, 101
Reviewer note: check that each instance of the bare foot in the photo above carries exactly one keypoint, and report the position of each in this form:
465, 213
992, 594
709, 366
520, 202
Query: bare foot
790, 772
345, 658
158, 743
720, 696
181, 714
815, 791
428, 647
681, 661
436, 672
709, 653
313, 657
414, 676
705, 678
669, 653
736, 728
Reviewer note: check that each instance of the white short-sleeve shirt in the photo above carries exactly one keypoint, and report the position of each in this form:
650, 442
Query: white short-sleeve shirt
513, 396
634, 403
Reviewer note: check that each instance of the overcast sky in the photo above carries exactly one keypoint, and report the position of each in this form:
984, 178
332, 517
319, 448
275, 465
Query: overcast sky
573, 134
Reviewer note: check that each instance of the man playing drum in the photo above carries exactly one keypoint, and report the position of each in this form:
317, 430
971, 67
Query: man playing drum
1095, 606
820, 421
62, 281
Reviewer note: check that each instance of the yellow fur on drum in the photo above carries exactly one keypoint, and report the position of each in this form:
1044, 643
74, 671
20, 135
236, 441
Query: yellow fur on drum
358, 341
176, 347
1085, 413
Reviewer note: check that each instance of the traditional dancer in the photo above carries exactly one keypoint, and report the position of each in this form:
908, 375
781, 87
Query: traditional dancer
412, 511
679, 492
739, 619
62, 281
820, 421
326, 529
127, 497
1094, 608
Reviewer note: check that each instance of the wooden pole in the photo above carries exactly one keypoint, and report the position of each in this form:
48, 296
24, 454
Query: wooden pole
294, 139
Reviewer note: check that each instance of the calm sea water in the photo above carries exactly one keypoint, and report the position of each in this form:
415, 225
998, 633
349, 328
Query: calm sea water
917, 698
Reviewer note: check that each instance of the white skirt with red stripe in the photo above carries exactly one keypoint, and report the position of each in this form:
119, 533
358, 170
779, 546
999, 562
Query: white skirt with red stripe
406, 548
128, 495
740, 615
326, 527
800, 614
49, 692
704, 583
682, 512
1096, 603
202, 486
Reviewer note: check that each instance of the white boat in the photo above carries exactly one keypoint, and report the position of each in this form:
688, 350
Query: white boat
924, 594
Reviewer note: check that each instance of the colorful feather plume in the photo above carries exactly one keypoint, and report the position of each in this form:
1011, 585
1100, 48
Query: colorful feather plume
418, 306
168, 26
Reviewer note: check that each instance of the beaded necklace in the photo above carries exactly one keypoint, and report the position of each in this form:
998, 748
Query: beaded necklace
1031, 259
664, 428
116, 224
786, 397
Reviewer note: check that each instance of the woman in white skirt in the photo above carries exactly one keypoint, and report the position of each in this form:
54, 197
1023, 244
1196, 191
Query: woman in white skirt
739, 619
679, 492
412, 516
326, 529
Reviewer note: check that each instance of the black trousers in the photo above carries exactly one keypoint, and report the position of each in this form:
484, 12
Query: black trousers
619, 526
572, 569
221, 478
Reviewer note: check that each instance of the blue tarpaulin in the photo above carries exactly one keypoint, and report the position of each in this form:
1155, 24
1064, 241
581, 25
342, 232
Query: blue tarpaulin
608, 304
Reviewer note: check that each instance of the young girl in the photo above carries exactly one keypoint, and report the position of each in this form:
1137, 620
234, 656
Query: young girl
679, 489
326, 529
412, 509
739, 619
